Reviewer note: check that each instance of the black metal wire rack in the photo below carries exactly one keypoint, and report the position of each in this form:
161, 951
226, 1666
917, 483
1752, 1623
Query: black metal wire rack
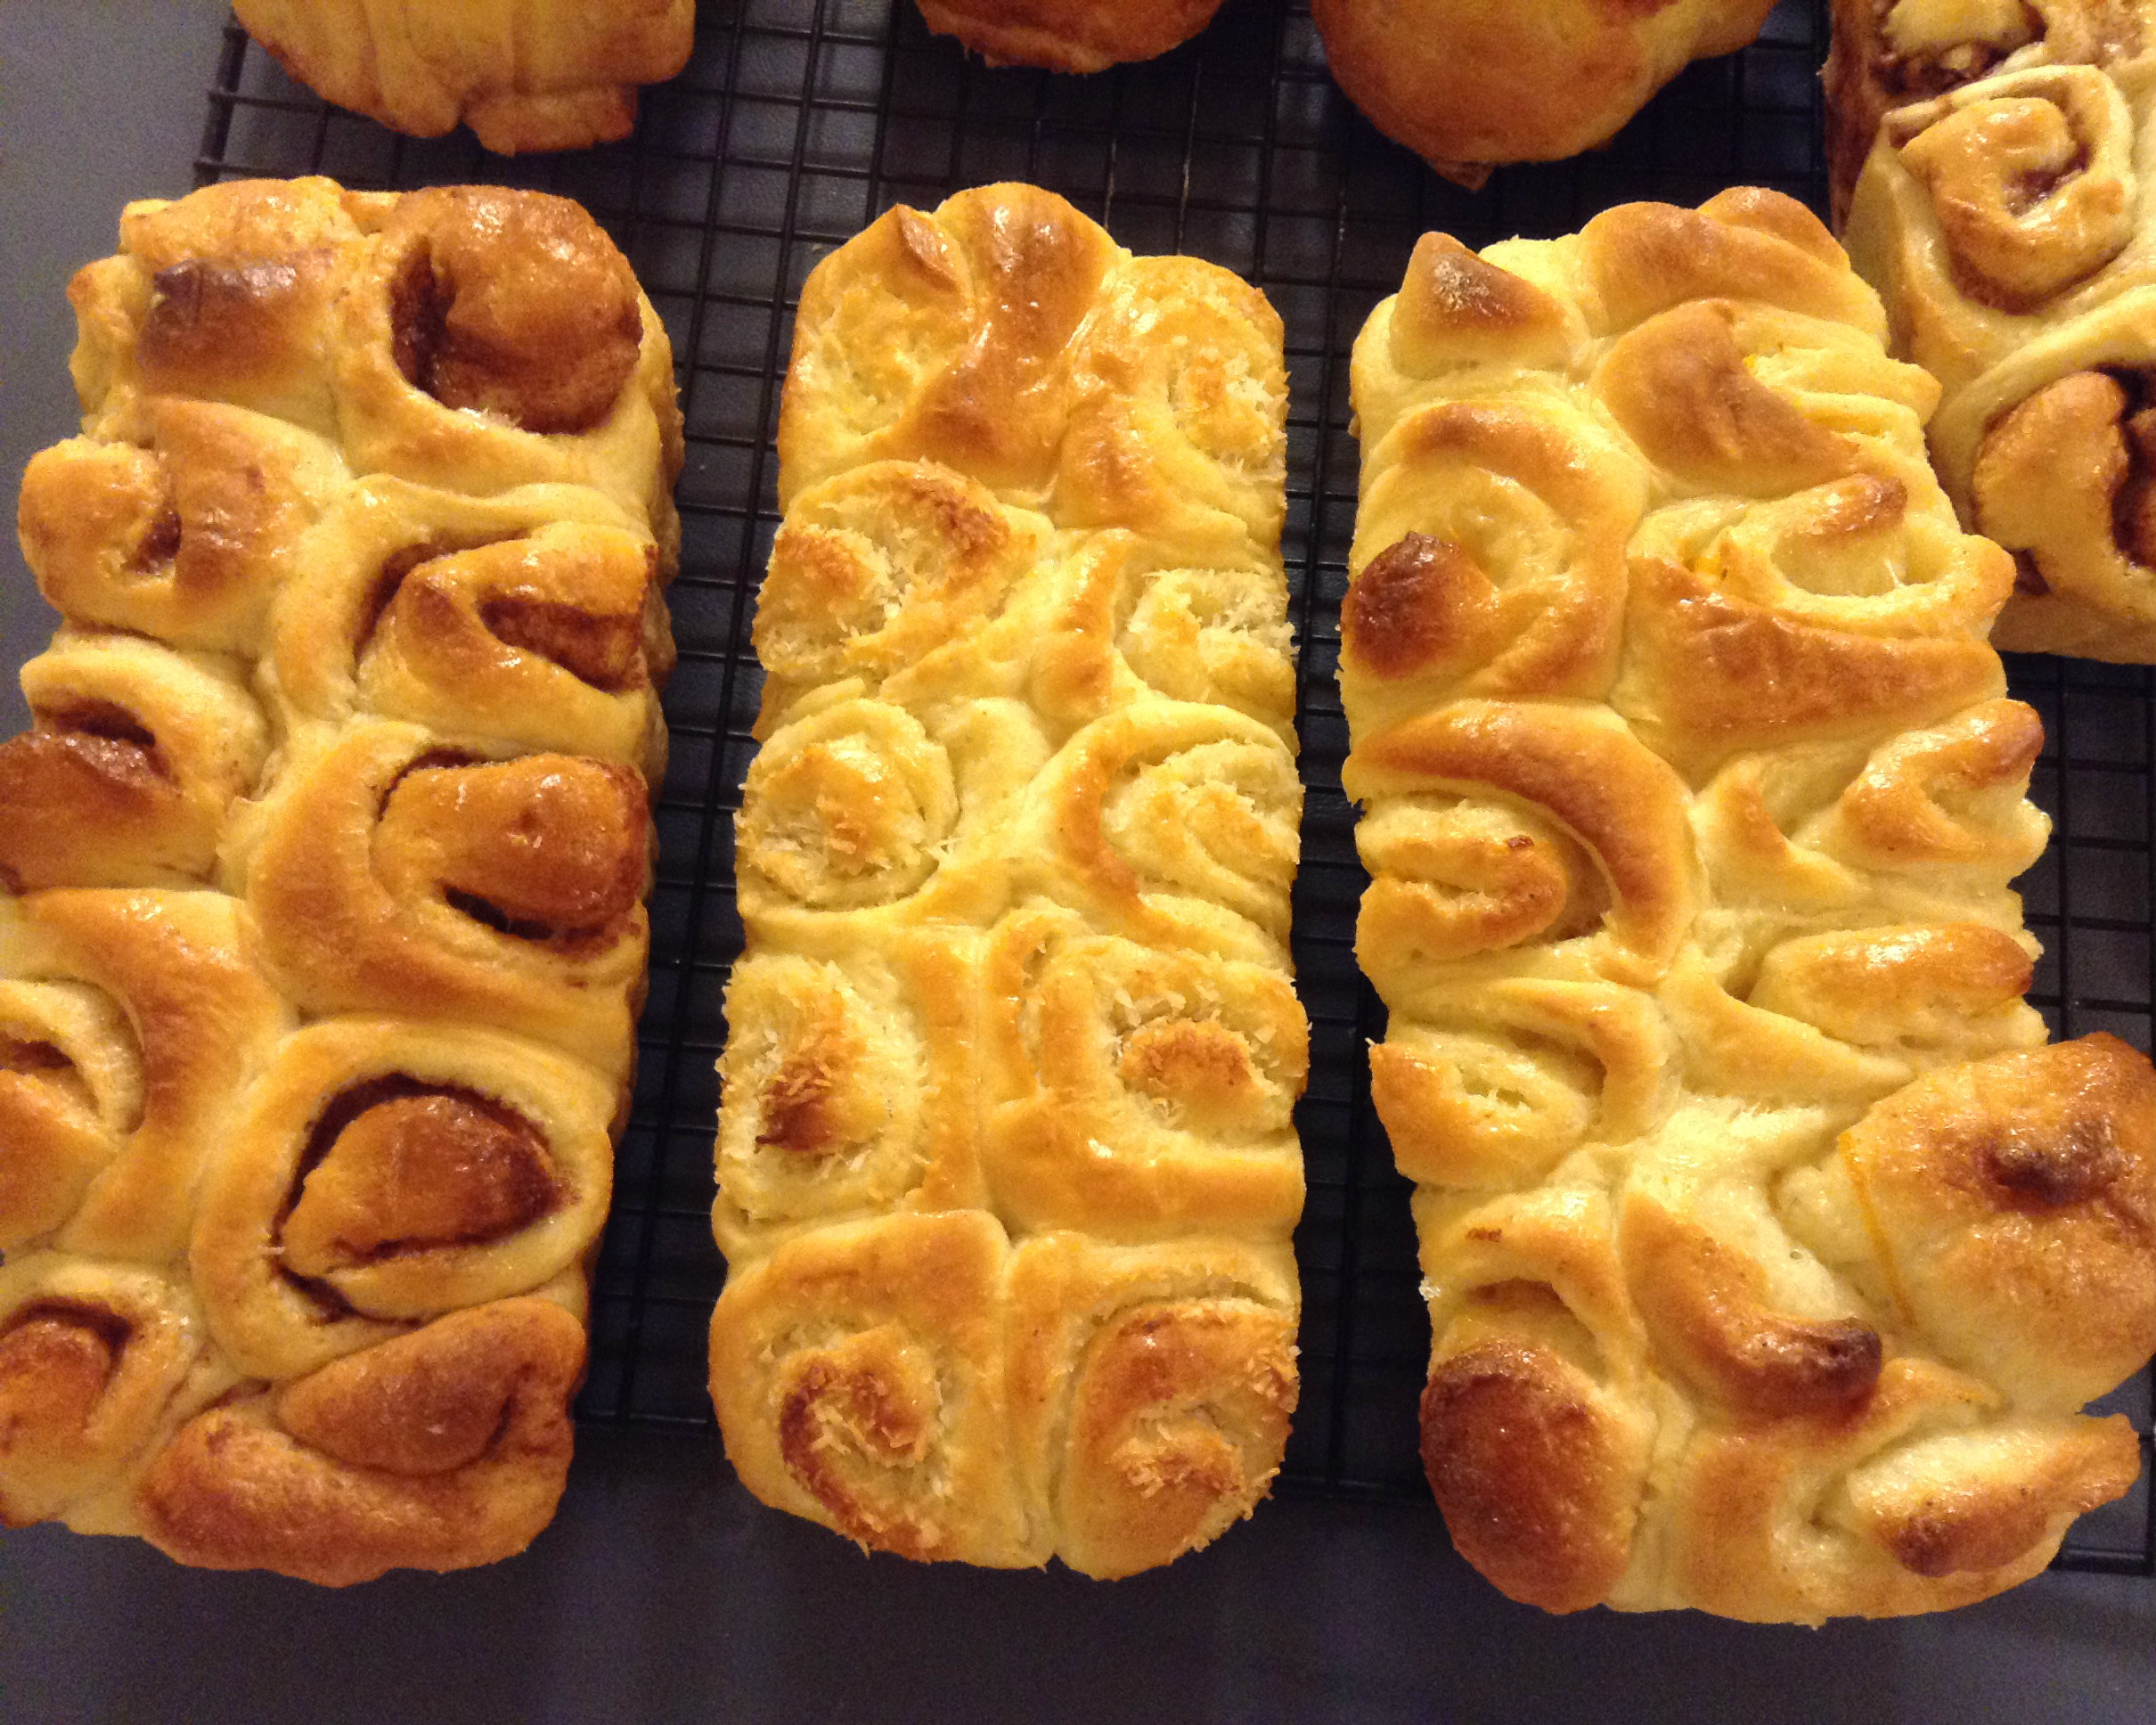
797, 122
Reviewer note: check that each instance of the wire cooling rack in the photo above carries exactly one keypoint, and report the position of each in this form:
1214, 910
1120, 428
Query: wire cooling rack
796, 124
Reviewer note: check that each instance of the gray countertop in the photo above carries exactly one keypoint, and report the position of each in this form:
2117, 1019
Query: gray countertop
662, 1592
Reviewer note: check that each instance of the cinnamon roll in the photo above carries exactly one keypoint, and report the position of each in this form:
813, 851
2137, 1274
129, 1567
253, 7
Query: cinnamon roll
1890, 54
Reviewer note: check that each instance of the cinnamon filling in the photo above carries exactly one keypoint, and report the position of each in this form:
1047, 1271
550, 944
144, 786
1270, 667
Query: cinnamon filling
396, 1166
604, 651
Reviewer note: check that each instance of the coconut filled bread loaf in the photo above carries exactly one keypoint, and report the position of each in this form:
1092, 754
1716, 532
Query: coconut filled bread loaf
323, 936
1006, 1160
1771, 1254
524, 75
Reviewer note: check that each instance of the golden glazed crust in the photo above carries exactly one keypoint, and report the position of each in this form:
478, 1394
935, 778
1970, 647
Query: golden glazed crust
523, 74
1007, 1157
1770, 1255
1469, 83
322, 933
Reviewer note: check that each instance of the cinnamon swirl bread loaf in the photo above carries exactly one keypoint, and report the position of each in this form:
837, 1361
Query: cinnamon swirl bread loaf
523, 74
1770, 1254
1007, 1157
2010, 229
323, 935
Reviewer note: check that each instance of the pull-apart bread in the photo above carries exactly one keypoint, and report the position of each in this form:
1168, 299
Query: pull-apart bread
1888, 53
1471, 84
2009, 227
1068, 35
323, 935
1771, 1255
1007, 1159
523, 74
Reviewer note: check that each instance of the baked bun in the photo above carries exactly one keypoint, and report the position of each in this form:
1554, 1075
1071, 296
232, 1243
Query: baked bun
324, 936
1068, 35
1469, 85
1770, 1254
523, 74
1887, 54
1007, 1157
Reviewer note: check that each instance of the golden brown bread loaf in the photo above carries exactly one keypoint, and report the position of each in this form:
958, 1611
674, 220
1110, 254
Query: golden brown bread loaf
523, 74
1888, 54
2008, 227
1007, 1157
1068, 35
1469, 85
1770, 1254
324, 934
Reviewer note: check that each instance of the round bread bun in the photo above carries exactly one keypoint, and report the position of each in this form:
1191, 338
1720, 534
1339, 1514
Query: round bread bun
1469, 84
1068, 35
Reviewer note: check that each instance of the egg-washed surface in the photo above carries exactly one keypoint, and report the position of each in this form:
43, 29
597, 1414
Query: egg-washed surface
2008, 226
1771, 1253
523, 74
324, 936
1007, 1158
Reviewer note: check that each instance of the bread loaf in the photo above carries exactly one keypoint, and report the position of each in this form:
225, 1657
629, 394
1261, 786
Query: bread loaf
324, 934
523, 74
1007, 1157
1470, 84
1770, 1254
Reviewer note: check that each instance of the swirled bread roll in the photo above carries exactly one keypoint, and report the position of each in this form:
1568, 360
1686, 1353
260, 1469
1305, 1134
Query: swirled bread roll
1068, 35
523, 74
1470, 84
323, 935
2008, 226
1888, 54
1007, 1157
1770, 1254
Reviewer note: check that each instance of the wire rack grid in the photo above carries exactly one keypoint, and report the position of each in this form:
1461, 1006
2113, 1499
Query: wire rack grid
797, 123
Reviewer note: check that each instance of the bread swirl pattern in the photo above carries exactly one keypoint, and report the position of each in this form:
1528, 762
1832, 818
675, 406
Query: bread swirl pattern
2007, 226
1007, 1157
324, 934
1770, 1254
523, 74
